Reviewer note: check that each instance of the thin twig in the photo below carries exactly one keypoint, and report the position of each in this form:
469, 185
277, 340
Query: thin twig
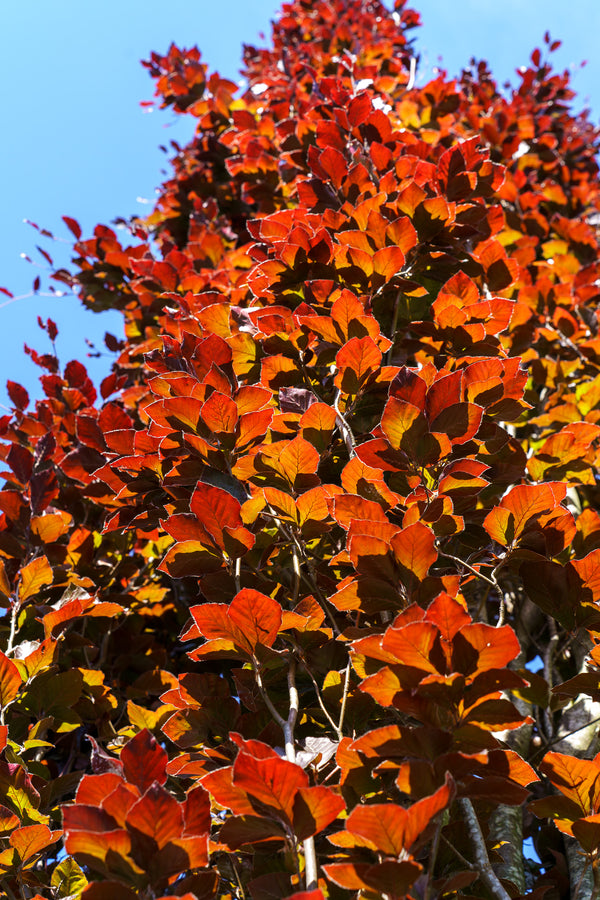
432, 858
476, 572
14, 615
458, 854
345, 428
320, 699
309, 579
344, 701
549, 670
412, 74
290, 723
269, 703
297, 574
581, 879
484, 866
388, 355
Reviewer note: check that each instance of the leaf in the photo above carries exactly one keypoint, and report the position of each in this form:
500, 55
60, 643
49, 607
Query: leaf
414, 549
314, 809
188, 558
577, 779
144, 760
298, 458
271, 784
108, 890
220, 413
412, 645
523, 504
73, 226
494, 647
448, 614
355, 362
157, 814
34, 576
10, 680
68, 879
252, 619
237, 831
30, 840
257, 616
391, 829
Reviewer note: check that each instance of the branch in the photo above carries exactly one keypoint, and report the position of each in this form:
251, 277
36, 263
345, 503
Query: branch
344, 701
484, 866
263, 692
290, 723
344, 427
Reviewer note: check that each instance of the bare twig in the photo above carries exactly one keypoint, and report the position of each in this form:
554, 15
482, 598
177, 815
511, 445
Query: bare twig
484, 866
432, 859
412, 74
344, 701
269, 703
14, 615
344, 427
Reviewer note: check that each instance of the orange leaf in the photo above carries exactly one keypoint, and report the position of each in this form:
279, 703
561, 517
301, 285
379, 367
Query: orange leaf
397, 419
412, 645
256, 616
391, 829
34, 576
298, 458
31, 839
157, 814
523, 504
270, 783
414, 548
220, 413
10, 680
356, 360
577, 779
314, 809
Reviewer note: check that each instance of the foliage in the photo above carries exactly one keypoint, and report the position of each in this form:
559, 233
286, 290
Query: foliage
307, 602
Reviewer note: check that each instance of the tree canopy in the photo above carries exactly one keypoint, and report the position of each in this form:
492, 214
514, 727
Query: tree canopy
304, 601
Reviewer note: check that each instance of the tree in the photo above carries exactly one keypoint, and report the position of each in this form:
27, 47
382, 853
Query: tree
306, 603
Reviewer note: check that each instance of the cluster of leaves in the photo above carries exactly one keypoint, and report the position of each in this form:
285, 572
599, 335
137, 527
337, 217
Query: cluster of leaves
307, 602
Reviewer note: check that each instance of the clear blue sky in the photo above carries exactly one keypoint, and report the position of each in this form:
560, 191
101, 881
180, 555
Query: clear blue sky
76, 142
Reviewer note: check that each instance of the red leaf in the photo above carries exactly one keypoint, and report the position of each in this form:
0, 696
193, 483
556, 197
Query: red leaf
144, 760
17, 394
448, 614
73, 226
257, 616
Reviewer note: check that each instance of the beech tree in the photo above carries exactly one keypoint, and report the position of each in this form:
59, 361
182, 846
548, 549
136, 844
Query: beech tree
305, 602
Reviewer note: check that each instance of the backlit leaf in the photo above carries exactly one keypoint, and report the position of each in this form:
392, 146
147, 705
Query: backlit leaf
144, 760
